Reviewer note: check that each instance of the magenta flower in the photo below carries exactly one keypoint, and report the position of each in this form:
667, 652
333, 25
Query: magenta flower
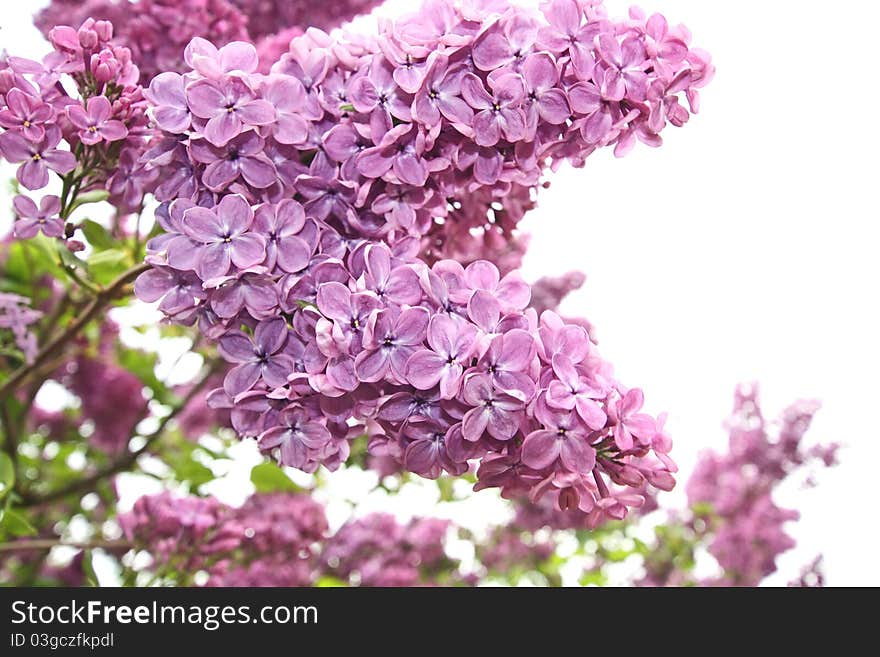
258, 358
666, 48
499, 113
573, 391
426, 454
26, 113
378, 95
287, 96
399, 204
37, 157
170, 109
631, 424
389, 340
230, 106
566, 30
349, 312
33, 220
401, 151
507, 361
621, 73
585, 98
440, 94
299, 439
545, 100
241, 156
494, 411
325, 198
179, 291
396, 285
207, 59
281, 225
507, 43
94, 122
511, 292
224, 237
250, 290
563, 437
452, 342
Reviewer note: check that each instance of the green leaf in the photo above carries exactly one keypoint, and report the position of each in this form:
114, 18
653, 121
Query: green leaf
107, 265
269, 478
346, 107
95, 196
16, 524
97, 235
89, 569
7, 475
69, 259
193, 472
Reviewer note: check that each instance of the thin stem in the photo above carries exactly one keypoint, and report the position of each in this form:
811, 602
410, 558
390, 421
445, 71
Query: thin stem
76, 278
10, 443
128, 459
99, 301
49, 543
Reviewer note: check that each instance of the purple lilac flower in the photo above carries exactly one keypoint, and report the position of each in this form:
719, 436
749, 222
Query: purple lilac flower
395, 179
36, 157
94, 122
33, 220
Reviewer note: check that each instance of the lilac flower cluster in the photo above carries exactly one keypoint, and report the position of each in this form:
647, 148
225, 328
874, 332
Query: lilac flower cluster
17, 317
376, 550
271, 540
510, 549
282, 539
104, 130
187, 533
155, 31
736, 488
265, 17
278, 547
338, 307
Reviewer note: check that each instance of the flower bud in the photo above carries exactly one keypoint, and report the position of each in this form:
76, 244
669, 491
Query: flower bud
104, 66
104, 30
64, 38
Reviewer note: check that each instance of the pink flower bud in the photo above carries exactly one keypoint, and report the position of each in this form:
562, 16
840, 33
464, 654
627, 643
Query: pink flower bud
104, 30
104, 66
88, 39
64, 38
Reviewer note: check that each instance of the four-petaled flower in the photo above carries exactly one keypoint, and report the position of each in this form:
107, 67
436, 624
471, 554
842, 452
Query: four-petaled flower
36, 157
499, 113
389, 340
452, 341
230, 106
32, 220
258, 357
494, 411
25, 113
224, 236
94, 122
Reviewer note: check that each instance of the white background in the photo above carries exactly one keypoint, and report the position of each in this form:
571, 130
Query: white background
744, 249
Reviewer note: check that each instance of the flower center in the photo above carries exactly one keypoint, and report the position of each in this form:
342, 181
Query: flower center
93, 129
26, 124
